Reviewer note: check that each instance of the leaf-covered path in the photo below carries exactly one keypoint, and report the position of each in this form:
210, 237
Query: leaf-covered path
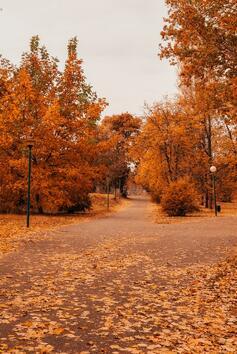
122, 284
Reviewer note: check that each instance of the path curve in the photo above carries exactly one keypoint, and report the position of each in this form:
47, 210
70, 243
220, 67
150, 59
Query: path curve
97, 287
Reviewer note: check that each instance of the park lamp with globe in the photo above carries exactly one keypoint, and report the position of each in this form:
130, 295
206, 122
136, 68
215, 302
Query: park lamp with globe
213, 170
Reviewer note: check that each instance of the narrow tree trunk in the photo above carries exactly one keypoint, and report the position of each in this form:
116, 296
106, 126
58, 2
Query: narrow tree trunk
39, 206
206, 199
115, 190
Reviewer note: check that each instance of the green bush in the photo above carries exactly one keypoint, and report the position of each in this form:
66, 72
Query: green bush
180, 198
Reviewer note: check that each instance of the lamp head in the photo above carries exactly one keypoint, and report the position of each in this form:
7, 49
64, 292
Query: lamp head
213, 169
30, 142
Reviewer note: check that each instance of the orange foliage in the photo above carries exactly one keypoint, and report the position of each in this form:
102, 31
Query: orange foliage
164, 150
60, 112
178, 141
180, 198
118, 133
200, 36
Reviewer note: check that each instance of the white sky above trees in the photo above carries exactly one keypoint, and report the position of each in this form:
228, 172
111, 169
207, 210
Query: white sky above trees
118, 42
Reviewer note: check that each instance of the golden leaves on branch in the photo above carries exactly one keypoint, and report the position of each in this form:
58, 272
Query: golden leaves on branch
185, 137
60, 111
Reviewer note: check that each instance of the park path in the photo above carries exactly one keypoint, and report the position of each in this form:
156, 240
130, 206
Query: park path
118, 284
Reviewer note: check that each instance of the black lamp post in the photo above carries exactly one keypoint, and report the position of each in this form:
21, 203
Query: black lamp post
213, 172
30, 146
108, 190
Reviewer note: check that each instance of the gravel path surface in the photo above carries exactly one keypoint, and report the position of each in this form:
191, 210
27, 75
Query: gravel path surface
120, 284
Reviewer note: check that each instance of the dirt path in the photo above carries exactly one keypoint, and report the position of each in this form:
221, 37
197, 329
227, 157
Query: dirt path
121, 284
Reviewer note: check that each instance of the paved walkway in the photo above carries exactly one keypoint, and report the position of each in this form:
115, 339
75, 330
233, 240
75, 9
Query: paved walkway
110, 285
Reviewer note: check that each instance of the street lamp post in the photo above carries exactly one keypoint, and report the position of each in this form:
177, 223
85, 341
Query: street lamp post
108, 188
213, 172
30, 146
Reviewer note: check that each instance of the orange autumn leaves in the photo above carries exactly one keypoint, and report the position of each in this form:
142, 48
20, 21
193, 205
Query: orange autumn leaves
198, 129
200, 36
119, 132
168, 149
60, 111
72, 151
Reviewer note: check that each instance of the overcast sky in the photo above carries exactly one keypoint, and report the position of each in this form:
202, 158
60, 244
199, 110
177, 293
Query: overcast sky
118, 42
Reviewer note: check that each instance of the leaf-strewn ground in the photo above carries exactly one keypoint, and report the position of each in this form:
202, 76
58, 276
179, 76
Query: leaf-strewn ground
13, 230
122, 284
160, 217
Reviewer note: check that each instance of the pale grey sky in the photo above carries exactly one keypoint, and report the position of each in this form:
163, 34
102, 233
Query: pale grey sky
118, 42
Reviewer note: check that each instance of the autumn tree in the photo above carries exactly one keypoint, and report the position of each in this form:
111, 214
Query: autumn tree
80, 109
16, 122
164, 150
119, 132
200, 37
60, 112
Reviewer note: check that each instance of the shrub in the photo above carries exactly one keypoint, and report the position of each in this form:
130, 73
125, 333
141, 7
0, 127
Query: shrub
83, 204
156, 198
180, 198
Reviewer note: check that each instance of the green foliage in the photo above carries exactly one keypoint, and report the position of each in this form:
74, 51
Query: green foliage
180, 198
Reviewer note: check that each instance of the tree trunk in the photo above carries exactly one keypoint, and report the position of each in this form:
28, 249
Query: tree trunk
206, 199
39, 206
